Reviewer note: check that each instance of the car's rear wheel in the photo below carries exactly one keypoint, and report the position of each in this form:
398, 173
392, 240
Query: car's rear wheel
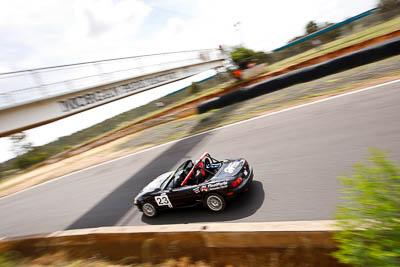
149, 210
215, 202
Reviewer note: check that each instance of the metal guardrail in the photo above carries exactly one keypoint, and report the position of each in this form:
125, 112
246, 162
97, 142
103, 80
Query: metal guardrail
324, 30
20, 87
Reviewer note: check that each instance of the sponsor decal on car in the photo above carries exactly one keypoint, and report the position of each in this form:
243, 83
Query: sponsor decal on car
219, 185
163, 200
213, 186
204, 188
232, 166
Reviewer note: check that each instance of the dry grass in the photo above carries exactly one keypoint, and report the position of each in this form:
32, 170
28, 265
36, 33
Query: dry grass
61, 259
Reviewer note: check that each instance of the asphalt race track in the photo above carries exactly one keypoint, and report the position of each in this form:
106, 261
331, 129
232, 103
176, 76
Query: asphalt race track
296, 154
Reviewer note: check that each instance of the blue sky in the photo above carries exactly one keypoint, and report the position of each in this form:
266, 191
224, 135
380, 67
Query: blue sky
54, 32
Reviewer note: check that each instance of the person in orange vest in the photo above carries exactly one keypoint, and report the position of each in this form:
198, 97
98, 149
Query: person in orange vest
237, 73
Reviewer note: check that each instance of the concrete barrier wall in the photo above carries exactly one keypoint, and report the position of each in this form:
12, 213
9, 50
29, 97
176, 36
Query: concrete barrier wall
341, 63
251, 244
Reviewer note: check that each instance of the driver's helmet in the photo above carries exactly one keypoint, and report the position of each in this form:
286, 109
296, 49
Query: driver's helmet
207, 163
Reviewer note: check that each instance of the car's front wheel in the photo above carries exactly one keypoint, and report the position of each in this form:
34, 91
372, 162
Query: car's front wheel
149, 210
215, 202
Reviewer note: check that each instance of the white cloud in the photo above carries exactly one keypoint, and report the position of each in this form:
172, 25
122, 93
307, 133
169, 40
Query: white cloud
48, 32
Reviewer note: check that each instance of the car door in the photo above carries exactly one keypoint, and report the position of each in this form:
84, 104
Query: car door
183, 196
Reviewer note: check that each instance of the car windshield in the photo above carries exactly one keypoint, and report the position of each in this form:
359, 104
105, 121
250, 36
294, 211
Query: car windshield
177, 177
204, 168
166, 181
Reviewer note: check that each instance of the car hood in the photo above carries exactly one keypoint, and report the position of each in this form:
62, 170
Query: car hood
230, 168
156, 183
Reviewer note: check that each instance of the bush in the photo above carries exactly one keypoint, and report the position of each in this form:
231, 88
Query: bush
243, 56
10, 259
388, 5
194, 88
29, 159
370, 219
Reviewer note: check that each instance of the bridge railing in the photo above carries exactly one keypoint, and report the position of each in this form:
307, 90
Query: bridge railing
27, 86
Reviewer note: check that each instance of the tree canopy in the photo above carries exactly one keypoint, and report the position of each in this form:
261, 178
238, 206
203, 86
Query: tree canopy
243, 56
311, 27
389, 5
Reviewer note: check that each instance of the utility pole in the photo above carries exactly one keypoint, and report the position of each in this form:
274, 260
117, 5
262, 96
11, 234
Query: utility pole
238, 28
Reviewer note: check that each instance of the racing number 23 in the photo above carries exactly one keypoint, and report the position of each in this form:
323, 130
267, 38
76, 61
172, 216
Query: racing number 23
163, 200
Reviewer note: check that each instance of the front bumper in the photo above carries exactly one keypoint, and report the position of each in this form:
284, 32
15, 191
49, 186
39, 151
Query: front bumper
137, 203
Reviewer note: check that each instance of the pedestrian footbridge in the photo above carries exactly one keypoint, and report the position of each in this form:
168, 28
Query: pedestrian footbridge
35, 97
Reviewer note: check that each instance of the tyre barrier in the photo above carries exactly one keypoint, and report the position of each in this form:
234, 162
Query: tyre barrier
355, 59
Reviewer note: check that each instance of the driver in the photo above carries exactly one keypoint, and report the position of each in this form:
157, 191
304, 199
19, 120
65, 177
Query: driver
200, 174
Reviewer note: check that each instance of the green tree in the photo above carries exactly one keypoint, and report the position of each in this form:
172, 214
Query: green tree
26, 154
20, 144
311, 27
330, 35
261, 57
194, 88
31, 158
388, 9
370, 218
388, 5
242, 56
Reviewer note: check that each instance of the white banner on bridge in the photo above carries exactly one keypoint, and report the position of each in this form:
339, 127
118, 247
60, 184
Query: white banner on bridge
30, 115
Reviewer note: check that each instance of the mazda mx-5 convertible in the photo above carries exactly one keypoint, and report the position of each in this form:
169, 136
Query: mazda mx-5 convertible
207, 182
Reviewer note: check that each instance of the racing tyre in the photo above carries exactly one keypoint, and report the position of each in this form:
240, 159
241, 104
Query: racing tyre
149, 210
215, 202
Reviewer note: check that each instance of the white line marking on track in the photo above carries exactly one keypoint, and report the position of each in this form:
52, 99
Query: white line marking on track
209, 131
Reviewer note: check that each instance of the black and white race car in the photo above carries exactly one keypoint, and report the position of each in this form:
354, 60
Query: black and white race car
207, 181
